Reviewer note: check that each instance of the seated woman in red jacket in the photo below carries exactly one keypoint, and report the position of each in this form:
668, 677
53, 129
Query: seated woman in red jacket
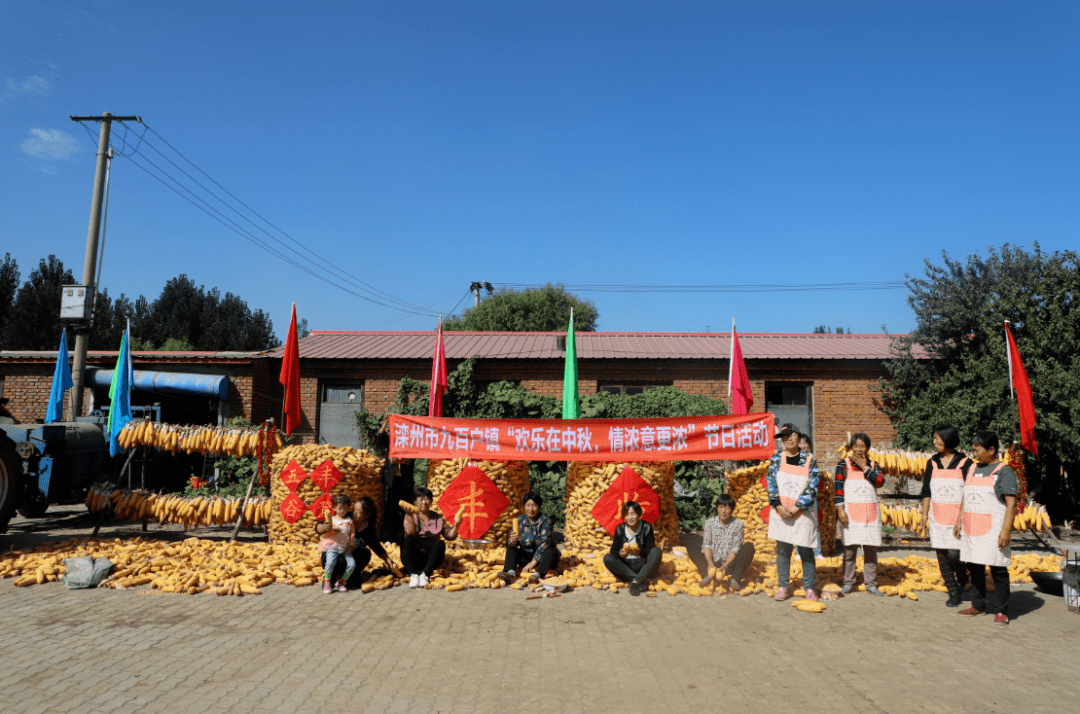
634, 556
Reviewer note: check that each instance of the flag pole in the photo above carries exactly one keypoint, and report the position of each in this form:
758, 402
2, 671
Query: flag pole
1008, 358
731, 361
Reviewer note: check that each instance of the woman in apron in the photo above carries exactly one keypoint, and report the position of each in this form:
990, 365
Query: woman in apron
985, 526
942, 490
856, 483
793, 521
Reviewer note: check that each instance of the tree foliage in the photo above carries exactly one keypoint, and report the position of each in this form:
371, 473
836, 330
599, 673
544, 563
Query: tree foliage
545, 309
9, 285
34, 320
183, 317
960, 309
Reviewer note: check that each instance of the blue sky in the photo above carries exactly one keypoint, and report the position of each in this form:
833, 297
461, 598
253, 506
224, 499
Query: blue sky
422, 146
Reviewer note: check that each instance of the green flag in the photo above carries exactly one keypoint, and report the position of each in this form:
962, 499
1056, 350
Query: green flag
570, 408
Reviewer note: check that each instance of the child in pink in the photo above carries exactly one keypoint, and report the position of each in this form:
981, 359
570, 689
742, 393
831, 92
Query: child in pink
338, 543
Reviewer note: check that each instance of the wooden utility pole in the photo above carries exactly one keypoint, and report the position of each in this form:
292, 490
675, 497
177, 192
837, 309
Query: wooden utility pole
82, 334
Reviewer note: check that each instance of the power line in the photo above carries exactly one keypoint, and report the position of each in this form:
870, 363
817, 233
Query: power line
130, 154
761, 288
325, 263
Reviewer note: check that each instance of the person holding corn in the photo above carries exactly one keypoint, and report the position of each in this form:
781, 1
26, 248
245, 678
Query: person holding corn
424, 549
634, 556
532, 542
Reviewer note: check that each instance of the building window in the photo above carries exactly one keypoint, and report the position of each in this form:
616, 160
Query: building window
344, 394
792, 403
629, 387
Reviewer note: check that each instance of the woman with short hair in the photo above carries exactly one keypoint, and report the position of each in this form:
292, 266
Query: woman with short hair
633, 557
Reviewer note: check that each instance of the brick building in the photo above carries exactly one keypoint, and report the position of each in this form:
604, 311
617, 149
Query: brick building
826, 384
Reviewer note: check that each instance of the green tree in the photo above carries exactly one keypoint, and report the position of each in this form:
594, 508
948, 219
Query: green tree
545, 309
9, 285
34, 321
960, 309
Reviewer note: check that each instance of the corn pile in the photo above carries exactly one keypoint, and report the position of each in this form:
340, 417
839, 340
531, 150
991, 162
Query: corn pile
191, 566
511, 477
362, 472
896, 462
744, 485
194, 512
586, 483
230, 441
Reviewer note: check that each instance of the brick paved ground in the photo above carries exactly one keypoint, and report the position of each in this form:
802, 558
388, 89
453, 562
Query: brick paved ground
296, 650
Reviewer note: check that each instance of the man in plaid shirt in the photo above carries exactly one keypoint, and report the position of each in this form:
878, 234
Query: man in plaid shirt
723, 544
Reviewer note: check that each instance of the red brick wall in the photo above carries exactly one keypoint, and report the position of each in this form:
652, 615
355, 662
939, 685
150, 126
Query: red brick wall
844, 391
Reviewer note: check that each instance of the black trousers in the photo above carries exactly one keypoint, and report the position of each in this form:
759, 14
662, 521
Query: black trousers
639, 573
518, 557
418, 561
362, 556
953, 572
1000, 574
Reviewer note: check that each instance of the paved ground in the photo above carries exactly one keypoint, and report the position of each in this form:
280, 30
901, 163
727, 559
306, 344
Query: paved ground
296, 650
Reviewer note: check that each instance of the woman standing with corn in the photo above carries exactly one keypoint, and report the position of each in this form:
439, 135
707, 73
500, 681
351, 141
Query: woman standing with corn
942, 491
855, 494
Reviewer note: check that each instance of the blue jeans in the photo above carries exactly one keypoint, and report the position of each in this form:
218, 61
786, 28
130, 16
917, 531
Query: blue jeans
332, 557
783, 565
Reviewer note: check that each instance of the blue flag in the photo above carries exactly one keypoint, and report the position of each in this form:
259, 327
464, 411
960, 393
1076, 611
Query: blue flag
120, 395
61, 382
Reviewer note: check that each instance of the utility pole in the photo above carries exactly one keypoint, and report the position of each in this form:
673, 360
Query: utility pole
82, 335
476, 287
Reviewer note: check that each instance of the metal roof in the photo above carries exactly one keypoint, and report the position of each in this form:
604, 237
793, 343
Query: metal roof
590, 345
136, 354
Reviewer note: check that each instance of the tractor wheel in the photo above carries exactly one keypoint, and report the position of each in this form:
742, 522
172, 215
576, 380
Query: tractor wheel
10, 476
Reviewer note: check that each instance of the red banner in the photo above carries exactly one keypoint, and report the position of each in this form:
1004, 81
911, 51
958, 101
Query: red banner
708, 438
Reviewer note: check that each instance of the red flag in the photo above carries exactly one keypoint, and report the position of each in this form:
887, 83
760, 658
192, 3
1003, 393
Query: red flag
290, 376
738, 380
1018, 380
438, 376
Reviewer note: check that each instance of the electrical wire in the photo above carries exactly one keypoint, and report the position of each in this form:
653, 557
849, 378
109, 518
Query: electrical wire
325, 263
763, 288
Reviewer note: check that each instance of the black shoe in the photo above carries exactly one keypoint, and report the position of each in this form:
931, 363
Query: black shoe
953, 601
635, 589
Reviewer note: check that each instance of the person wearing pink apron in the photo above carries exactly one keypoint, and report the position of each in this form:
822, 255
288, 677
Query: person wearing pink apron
985, 526
942, 491
792, 483
855, 493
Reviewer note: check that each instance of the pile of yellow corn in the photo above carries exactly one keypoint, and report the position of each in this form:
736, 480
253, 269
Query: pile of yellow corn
194, 512
362, 472
744, 485
230, 441
195, 565
511, 477
587, 482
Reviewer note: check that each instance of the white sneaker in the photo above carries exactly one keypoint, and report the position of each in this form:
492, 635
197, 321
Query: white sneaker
414, 581
423, 580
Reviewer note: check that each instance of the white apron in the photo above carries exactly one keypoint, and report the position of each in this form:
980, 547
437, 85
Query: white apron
802, 530
946, 491
861, 504
984, 516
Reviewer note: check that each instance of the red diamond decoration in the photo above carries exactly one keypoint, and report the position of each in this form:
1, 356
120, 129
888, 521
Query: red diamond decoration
320, 505
765, 513
293, 475
627, 486
292, 508
480, 498
326, 476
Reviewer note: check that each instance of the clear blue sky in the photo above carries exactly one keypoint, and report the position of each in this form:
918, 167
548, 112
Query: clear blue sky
422, 146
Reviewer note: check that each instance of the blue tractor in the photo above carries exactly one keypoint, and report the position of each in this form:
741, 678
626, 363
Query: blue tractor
48, 463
